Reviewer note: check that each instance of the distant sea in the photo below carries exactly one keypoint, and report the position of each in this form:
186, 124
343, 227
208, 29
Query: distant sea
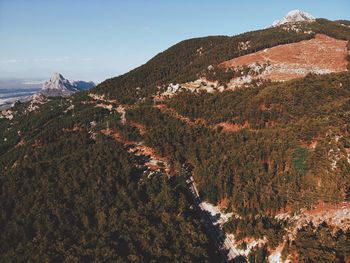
9, 95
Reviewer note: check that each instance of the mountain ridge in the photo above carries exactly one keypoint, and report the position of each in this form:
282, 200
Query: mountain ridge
183, 62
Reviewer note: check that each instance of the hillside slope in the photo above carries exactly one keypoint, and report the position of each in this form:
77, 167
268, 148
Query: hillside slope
103, 175
189, 60
259, 152
68, 192
285, 62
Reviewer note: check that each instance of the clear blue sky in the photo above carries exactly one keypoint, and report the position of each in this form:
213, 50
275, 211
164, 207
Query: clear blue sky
97, 39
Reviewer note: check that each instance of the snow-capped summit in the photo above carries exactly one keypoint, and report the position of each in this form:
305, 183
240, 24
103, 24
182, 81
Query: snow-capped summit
294, 16
57, 85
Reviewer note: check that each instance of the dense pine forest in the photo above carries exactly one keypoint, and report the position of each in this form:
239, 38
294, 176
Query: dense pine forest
268, 166
279, 135
68, 197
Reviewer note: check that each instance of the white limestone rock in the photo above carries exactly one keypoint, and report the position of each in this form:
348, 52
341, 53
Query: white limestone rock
293, 17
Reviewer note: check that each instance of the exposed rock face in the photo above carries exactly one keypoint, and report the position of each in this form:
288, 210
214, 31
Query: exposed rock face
59, 86
293, 17
35, 102
320, 55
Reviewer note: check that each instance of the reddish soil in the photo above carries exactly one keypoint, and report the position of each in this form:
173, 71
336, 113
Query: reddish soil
165, 109
20, 143
230, 127
156, 158
14, 165
74, 129
140, 127
323, 53
140, 148
324, 208
117, 136
37, 144
313, 144
223, 203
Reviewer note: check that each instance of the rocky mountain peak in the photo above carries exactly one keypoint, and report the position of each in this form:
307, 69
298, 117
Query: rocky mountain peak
57, 82
57, 85
56, 76
293, 17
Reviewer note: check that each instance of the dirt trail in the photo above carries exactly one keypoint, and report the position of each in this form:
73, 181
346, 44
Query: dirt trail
155, 161
231, 127
226, 126
140, 127
173, 113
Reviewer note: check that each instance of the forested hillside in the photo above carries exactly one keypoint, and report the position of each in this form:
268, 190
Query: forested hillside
288, 149
189, 59
267, 163
67, 195
73, 188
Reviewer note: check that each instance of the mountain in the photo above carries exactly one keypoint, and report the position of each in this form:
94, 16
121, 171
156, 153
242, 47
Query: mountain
57, 85
295, 16
189, 60
219, 148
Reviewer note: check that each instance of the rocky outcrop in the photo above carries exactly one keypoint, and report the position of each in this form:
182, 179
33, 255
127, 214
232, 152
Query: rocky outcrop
294, 16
